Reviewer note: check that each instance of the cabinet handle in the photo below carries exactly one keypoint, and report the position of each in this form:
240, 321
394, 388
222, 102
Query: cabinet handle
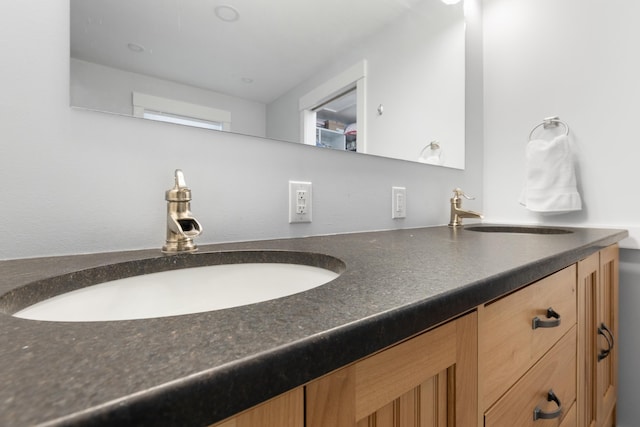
610, 341
551, 314
539, 414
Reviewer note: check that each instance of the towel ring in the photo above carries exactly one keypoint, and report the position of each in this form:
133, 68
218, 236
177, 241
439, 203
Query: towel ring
435, 153
550, 122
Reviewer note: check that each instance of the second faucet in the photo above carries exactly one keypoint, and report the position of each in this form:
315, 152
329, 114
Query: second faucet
457, 213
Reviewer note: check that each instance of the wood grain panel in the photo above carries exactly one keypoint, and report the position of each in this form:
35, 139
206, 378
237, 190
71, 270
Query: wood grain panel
608, 314
330, 400
434, 396
386, 376
588, 284
417, 383
286, 410
463, 392
571, 419
424, 406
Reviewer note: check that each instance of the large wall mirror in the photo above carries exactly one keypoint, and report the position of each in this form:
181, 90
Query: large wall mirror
381, 77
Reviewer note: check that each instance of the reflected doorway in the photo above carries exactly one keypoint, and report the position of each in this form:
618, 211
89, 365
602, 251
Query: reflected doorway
336, 122
333, 113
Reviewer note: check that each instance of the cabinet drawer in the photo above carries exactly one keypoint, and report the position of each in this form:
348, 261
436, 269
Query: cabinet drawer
555, 371
509, 343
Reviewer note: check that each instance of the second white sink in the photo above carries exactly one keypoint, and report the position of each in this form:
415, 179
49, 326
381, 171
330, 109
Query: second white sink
183, 291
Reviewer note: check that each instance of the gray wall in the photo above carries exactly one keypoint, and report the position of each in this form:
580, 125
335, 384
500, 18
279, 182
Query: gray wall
629, 340
78, 181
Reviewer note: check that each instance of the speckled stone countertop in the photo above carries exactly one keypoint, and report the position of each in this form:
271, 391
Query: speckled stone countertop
200, 368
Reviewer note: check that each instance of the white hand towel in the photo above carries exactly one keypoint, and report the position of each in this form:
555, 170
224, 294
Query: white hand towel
551, 181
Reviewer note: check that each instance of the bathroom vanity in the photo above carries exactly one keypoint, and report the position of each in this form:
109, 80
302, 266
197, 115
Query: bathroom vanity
458, 326
504, 359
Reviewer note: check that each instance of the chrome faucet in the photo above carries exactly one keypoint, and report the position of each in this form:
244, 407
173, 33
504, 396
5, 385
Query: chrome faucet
182, 227
456, 212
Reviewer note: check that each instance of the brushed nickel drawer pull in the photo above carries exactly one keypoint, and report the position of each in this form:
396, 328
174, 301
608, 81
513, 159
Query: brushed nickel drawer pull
539, 414
610, 342
551, 314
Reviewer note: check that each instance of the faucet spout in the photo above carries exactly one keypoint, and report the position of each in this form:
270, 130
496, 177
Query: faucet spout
457, 213
182, 227
185, 227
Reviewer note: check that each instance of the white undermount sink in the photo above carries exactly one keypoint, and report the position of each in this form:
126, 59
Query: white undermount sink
181, 291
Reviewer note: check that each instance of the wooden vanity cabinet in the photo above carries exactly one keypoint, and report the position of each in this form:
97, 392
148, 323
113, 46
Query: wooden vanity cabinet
598, 283
286, 410
544, 355
429, 380
571, 352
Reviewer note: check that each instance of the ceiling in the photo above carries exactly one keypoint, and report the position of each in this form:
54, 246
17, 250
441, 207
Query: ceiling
271, 47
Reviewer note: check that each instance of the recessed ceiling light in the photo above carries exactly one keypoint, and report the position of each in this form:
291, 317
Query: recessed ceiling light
227, 13
134, 47
450, 1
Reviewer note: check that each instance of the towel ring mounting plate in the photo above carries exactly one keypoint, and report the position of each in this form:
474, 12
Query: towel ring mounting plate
550, 122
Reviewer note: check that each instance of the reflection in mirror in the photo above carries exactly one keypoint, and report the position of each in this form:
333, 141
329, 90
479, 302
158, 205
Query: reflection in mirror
382, 77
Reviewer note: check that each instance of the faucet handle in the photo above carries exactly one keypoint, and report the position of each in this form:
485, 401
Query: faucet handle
180, 182
457, 193
180, 192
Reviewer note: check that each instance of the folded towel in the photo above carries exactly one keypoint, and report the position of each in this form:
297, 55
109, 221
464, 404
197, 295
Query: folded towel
551, 181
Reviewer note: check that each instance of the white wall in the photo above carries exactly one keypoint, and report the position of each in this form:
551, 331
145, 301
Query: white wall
101, 88
79, 181
416, 115
423, 102
576, 59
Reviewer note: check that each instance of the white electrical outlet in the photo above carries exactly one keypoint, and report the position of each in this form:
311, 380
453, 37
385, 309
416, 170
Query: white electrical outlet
299, 201
398, 202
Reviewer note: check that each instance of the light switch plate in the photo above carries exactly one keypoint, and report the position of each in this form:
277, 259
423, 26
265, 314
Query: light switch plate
300, 201
398, 202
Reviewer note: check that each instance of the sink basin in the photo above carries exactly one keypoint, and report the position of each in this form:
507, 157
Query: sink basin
521, 229
230, 279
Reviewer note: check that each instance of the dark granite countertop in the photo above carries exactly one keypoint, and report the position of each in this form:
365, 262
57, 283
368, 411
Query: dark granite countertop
200, 368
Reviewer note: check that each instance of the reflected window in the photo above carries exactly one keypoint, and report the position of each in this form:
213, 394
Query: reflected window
181, 120
184, 113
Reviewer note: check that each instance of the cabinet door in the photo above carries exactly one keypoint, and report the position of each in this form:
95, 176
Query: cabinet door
598, 328
608, 322
286, 410
588, 280
429, 380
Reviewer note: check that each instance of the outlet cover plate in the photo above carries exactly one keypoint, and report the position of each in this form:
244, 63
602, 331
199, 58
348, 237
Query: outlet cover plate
398, 202
300, 201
